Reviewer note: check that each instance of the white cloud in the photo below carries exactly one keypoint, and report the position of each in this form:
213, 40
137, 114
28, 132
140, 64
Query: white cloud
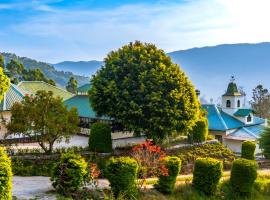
171, 27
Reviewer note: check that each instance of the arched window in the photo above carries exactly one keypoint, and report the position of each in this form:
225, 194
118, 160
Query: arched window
249, 118
228, 103
238, 104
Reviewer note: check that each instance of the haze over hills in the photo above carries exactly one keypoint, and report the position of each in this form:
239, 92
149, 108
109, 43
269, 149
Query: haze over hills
209, 68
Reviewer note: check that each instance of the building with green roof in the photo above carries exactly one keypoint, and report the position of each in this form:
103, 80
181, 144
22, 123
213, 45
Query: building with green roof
232, 123
31, 87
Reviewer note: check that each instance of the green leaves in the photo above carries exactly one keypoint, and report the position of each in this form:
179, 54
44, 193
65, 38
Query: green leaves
140, 87
4, 83
44, 117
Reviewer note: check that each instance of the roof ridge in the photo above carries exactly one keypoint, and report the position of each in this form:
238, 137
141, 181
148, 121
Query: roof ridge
220, 117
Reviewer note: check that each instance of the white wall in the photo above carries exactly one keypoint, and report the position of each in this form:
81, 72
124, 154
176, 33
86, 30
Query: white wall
236, 146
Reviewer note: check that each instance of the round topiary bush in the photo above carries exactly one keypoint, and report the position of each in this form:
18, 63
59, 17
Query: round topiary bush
122, 175
243, 176
69, 174
100, 139
166, 184
248, 150
199, 132
206, 175
5, 176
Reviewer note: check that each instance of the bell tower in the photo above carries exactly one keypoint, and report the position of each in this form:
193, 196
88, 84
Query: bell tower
232, 100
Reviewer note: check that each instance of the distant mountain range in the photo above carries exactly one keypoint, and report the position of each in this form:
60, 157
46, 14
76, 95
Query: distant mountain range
209, 68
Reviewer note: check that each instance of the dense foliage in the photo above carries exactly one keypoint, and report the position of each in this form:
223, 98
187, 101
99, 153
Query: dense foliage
248, 150
72, 85
5, 176
142, 88
199, 132
189, 154
100, 139
4, 83
166, 183
48, 70
243, 176
264, 142
148, 157
206, 175
69, 174
44, 117
122, 175
2, 62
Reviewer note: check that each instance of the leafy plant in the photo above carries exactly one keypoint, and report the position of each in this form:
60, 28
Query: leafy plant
166, 183
199, 132
206, 175
4, 83
248, 150
5, 176
243, 176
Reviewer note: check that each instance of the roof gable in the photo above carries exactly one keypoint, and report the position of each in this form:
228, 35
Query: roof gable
243, 112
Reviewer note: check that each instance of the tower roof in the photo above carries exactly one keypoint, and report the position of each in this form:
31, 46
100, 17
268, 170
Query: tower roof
232, 89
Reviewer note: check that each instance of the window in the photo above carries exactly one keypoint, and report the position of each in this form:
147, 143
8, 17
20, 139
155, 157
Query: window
249, 118
238, 104
228, 103
219, 138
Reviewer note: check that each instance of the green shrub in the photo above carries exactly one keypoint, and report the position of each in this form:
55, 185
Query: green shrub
206, 175
69, 174
100, 139
199, 132
166, 184
248, 150
122, 175
5, 176
243, 176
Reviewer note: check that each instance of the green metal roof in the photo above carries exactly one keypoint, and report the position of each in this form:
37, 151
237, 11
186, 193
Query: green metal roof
84, 88
232, 90
81, 102
13, 95
33, 86
243, 112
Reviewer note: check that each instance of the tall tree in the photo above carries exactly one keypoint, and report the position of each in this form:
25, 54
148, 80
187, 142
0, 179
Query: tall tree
45, 118
141, 87
4, 83
72, 85
15, 68
2, 61
264, 142
261, 101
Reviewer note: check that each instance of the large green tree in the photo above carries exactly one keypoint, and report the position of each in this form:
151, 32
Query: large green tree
264, 142
15, 68
141, 87
72, 85
4, 83
45, 118
2, 62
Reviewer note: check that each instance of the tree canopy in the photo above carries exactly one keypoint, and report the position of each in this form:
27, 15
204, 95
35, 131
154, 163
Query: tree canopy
261, 101
45, 118
4, 83
72, 85
2, 62
141, 87
264, 142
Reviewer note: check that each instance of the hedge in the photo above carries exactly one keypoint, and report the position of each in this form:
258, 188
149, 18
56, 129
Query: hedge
5, 176
100, 139
69, 174
206, 175
248, 150
243, 176
122, 175
199, 132
166, 184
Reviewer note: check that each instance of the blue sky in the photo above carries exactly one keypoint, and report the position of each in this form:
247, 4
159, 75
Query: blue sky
57, 30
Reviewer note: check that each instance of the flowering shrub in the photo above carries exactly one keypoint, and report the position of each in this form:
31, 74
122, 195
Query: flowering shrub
148, 157
94, 173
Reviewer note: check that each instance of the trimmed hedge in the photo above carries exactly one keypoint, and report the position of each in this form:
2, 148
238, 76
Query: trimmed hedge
199, 132
206, 175
5, 176
166, 184
248, 150
122, 175
100, 139
69, 174
243, 176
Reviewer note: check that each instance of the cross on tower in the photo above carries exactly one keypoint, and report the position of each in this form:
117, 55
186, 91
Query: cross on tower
232, 78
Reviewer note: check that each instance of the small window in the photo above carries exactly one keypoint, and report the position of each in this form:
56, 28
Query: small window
249, 118
238, 104
228, 103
